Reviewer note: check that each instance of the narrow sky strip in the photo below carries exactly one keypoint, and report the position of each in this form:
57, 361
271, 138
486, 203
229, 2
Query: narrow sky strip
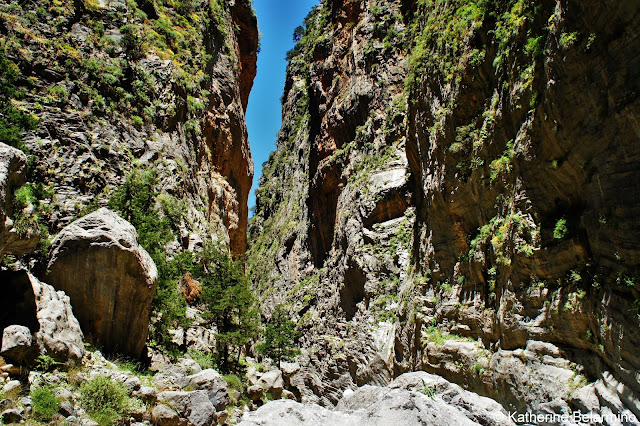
276, 20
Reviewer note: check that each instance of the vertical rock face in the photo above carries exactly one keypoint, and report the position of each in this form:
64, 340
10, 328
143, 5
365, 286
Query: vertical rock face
334, 209
110, 279
468, 200
122, 89
227, 155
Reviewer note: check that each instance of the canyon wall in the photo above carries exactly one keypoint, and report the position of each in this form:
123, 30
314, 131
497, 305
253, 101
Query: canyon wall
454, 191
149, 85
138, 106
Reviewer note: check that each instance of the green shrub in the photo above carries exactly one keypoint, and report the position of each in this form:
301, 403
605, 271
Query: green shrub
137, 121
45, 403
429, 391
560, 231
279, 336
131, 41
568, 39
13, 121
46, 363
23, 197
233, 381
104, 400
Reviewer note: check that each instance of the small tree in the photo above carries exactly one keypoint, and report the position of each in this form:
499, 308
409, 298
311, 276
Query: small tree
280, 336
230, 304
298, 33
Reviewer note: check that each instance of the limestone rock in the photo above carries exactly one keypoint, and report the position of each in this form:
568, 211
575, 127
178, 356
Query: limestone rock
194, 406
285, 412
477, 408
255, 392
59, 334
163, 415
11, 386
271, 382
417, 229
110, 279
13, 164
12, 416
402, 402
146, 393
216, 387
45, 312
17, 343
66, 409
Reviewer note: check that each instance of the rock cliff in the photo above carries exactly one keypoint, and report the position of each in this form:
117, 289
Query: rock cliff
117, 85
138, 106
454, 191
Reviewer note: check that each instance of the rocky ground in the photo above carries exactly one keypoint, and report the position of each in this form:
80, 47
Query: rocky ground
167, 394
411, 399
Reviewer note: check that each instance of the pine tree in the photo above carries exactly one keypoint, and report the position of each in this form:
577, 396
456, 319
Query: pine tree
230, 305
280, 336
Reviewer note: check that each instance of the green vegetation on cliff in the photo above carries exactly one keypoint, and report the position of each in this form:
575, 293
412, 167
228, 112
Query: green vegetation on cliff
13, 119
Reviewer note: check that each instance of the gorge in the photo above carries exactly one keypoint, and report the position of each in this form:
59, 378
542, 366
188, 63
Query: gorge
448, 222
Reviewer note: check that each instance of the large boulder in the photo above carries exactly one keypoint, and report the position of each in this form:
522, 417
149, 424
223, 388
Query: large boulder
34, 310
194, 406
285, 412
110, 279
215, 385
13, 164
17, 343
411, 399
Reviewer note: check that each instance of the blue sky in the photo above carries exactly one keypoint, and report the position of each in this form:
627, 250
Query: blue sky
276, 20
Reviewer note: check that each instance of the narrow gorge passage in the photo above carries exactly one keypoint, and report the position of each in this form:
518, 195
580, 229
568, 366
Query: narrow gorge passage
445, 231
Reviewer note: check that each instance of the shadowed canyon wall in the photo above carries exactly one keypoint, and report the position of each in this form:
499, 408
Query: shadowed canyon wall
454, 191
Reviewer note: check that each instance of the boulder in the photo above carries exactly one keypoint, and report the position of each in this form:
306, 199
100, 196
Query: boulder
66, 409
11, 387
163, 415
473, 406
255, 392
12, 416
110, 279
216, 387
6, 403
194, 406
272, 382
13, 164
146, 393
43, 312
413, 398
59, 334
17, 343
285, 412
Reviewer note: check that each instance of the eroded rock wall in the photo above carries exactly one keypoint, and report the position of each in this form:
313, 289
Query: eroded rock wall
118, 85
332, 231
454, 191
